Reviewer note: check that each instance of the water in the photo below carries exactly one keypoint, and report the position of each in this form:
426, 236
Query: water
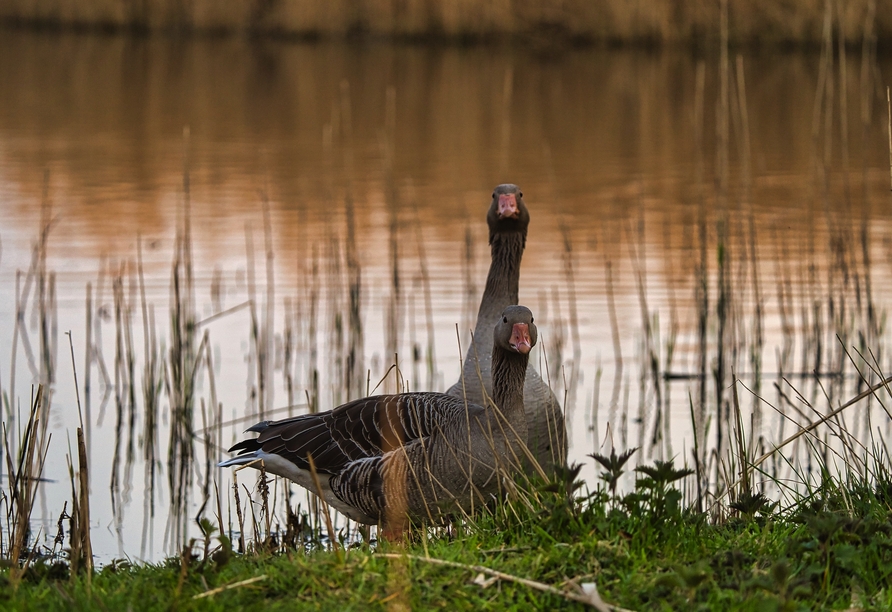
99, 133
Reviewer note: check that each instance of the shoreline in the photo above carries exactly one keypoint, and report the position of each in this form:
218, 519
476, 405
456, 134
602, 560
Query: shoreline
550, 23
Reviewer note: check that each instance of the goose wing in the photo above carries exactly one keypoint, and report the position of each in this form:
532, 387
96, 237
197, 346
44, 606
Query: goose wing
361, 429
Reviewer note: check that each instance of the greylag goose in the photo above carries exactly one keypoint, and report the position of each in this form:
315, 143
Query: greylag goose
508, 219
389, 459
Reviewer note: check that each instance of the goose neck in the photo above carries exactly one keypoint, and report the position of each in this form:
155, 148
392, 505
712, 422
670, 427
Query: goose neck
508, 372
503, 279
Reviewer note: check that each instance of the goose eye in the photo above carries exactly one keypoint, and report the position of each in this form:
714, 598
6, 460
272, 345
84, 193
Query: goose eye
520, 194
532, 320
504, 319
493, 194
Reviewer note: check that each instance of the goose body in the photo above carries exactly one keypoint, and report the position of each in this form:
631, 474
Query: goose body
508, 220
389, 459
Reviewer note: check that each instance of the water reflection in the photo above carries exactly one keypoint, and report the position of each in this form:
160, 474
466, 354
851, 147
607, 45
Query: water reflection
392, 151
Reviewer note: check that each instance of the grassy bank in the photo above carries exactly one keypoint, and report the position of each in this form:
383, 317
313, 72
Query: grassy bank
659, 21
829, 550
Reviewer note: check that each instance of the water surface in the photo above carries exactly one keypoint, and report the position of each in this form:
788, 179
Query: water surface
375, 162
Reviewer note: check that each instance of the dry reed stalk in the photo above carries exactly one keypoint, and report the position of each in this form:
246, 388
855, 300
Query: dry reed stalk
45, 289
355, 344
180, 371
24, 477
312, 330
125, 399
288, 349
867, 307
218, 498
74, 549
15, 341
470, 300
81, 541
151, 391
394, 313
233, 585
21, 327
584, 598
255, 354
325, 511
214, 427
650, 373
701, 284
265, 350
263, 488
88, 363
238, 513
430, 355
843, 100
617, 345
85, 542
723, 305
572, 306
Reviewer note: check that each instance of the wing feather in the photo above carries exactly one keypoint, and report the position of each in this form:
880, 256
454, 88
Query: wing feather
363, 429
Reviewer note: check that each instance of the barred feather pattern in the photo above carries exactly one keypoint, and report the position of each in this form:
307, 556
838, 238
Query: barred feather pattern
413, 456
361, 429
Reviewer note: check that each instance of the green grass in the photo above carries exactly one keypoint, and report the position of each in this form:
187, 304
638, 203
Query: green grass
644, 550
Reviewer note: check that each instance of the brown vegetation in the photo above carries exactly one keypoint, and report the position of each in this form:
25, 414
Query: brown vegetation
650, 21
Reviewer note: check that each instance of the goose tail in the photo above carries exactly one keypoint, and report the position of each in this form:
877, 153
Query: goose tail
240, 460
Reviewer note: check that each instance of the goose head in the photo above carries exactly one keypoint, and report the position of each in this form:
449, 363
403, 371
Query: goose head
507, 213
515, 331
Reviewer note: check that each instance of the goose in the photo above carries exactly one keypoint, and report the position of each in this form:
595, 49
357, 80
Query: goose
391, 459
508, 219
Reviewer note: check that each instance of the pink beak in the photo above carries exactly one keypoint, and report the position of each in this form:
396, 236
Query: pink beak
507, 206
520, 338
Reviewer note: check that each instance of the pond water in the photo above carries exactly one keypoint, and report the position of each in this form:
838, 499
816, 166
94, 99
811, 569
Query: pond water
689, 224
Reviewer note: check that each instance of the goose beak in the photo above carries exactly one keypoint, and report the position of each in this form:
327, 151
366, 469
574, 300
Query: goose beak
507, 206
520, 338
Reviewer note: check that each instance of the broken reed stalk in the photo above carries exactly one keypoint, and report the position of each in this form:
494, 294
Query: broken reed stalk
85, 542
539, 586
81, 539
238, 512
88, 361
263, 486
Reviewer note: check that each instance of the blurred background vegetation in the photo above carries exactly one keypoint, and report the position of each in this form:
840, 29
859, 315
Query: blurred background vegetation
696, 22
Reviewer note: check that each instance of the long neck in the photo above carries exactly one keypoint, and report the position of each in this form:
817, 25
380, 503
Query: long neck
501, 284
508, 372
